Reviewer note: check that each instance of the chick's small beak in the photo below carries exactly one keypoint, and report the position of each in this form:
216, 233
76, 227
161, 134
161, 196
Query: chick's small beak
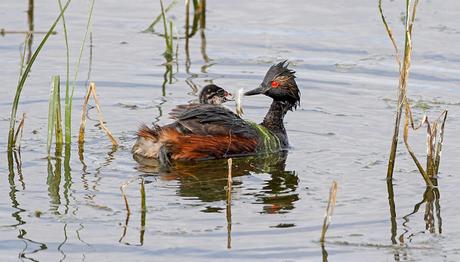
229, 96
257, 91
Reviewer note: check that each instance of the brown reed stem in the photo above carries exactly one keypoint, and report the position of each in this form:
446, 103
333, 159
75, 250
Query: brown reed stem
329, 210
81, 137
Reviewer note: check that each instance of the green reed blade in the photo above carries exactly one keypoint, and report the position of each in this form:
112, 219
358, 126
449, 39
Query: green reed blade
23, 79
150, 28
58, 116
67, 88
52, 112
23, 55
165, 27
170, 46
68, 106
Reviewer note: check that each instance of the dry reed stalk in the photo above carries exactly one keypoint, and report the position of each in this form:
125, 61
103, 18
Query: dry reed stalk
229, 176
433, 145
404, 75
329, 210
125, 198
81, 137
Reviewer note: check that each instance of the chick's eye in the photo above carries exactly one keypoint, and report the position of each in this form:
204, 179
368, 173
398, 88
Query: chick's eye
275, 84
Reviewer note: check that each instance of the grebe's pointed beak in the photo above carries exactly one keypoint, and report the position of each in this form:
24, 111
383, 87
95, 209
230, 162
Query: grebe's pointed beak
257, 91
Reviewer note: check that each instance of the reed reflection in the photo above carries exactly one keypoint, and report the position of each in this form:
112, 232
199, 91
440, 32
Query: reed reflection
432, 214
432, 217
13, 189
29, 244
53, 181
324, 253
198, 25
128, 214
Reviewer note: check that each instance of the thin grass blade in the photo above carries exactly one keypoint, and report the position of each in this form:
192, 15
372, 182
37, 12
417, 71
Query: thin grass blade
151, 27
24, 75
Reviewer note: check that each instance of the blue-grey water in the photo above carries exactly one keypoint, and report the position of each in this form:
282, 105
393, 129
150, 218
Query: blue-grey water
51, 211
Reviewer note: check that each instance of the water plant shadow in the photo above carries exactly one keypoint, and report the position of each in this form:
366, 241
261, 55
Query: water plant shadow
432, 217
128, 213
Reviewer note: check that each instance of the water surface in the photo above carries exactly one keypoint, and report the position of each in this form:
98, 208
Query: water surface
50, 210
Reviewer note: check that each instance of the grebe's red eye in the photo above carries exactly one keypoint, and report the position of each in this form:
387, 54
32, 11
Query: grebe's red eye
226, 93
275, 84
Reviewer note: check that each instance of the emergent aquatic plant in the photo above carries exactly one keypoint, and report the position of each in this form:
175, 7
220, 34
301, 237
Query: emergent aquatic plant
434, 143
23, 77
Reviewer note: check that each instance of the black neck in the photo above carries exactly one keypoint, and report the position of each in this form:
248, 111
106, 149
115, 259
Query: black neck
273, 120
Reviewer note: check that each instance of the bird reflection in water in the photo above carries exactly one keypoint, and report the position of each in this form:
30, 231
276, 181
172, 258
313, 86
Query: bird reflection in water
206, 180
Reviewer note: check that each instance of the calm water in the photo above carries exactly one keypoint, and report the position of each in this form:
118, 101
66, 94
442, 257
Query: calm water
341, 132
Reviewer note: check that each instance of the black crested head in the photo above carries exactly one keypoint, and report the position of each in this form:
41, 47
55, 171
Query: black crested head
279, 83
213, 94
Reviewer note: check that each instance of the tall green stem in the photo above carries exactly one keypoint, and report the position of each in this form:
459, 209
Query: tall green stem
23, 79
69, 98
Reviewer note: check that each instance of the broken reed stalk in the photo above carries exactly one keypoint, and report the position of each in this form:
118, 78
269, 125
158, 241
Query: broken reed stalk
81, 137
229, 175
433, 143
3, 32
437, 156
125, 198
329, 210
23, 78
